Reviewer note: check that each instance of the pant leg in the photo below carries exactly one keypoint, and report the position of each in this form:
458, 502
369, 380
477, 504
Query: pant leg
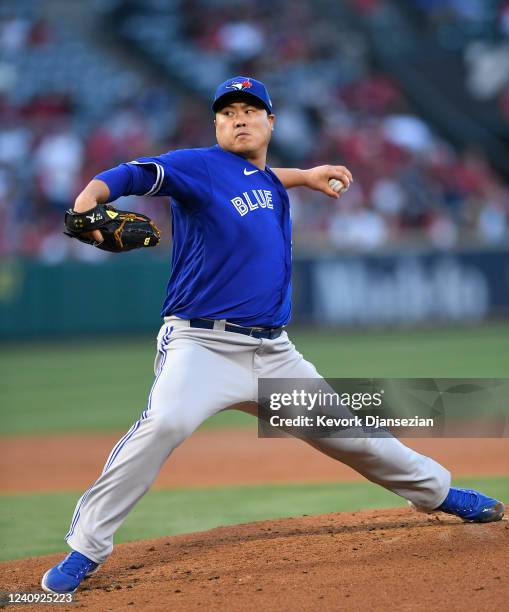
385, 461
195, 378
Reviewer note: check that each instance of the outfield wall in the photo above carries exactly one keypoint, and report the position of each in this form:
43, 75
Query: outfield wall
409, 288
124, 293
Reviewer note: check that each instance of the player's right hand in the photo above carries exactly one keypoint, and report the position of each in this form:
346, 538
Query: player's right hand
318, 178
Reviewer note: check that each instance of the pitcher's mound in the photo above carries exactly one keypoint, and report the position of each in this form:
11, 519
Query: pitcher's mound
369, 560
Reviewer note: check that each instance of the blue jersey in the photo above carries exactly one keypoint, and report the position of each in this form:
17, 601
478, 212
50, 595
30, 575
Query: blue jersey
231, 234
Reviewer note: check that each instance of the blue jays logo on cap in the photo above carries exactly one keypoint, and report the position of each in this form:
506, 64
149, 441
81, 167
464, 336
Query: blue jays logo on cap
240, 85
244, 85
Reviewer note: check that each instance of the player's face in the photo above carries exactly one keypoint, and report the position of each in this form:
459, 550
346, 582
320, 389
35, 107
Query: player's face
243, 128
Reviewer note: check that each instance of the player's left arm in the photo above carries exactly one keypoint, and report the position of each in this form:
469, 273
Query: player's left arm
316, 178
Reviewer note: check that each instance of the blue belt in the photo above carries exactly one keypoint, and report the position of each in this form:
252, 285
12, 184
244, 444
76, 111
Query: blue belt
254, 332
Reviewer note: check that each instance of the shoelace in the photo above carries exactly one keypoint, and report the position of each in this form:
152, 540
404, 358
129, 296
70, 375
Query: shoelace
76, 566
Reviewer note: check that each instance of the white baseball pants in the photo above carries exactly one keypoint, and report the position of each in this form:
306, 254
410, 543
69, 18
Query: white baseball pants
200, 372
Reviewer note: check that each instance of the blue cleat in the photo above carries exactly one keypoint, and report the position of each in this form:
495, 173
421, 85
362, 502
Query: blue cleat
67, 575
472, 506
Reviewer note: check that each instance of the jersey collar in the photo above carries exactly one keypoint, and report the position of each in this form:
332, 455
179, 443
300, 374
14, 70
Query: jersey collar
242, 159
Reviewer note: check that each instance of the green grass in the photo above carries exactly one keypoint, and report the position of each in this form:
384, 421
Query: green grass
102, 384
35, 524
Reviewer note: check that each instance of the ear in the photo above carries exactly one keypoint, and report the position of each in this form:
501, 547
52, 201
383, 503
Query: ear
272, 121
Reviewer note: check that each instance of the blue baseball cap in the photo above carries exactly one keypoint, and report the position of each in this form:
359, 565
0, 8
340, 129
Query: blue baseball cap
242, 85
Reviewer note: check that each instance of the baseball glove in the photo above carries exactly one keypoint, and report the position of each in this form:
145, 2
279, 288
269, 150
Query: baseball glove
121, 230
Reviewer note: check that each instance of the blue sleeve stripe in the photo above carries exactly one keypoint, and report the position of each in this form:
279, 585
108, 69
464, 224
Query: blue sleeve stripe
159, 177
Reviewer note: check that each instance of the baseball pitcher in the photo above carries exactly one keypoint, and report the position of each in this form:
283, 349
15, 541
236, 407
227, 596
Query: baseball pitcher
227, 303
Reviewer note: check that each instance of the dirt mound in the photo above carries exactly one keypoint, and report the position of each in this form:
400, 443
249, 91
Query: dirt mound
380, 560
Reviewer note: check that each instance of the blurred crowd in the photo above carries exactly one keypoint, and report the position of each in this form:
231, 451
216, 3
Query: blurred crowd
331, 105
480, 28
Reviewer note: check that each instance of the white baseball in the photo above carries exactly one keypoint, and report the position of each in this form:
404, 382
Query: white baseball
337, 185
